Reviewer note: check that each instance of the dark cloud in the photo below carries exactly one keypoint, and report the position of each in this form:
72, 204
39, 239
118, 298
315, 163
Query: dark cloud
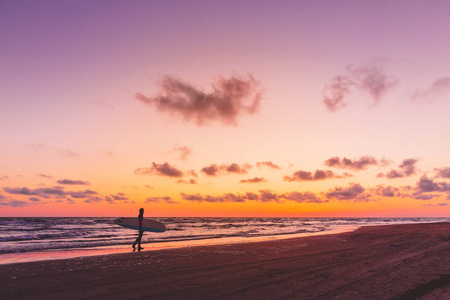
118, 197
215, 170
370, 78
253, 180
268, 164
161, 199
212, 170
81, 194
229, 197
229, 99
386, 191
237, 169
426, 185
439, 88
160, 169
51, 192
268, 196
306, 197
353, 192
73, 182
318, 175
3, 177
251, 196
35, 199
406, 168
94, 199
14, 203
354, 164
442, 172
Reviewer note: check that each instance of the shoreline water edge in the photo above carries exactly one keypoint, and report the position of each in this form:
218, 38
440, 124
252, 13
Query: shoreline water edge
37, 239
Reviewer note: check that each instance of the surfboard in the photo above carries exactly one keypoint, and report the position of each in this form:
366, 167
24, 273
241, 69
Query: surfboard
147, 224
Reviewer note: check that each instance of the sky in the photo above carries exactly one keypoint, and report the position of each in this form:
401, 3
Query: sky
225, 108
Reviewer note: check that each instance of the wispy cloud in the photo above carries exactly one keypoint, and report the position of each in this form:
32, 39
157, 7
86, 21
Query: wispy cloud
228, 100
438, 89
61, 152
369, 78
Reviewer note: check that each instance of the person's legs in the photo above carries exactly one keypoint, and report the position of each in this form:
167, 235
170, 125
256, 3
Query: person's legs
139, 240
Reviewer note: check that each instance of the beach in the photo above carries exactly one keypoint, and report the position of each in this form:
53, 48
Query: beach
410, 261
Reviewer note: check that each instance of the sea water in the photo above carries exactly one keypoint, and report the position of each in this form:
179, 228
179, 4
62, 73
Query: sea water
37, 236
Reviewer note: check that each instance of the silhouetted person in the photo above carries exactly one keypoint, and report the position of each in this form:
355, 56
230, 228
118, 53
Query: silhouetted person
141, 231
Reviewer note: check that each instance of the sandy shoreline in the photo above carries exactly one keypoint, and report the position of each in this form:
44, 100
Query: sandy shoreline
378, 262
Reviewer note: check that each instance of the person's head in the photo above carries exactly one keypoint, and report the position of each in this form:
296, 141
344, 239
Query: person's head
141, 211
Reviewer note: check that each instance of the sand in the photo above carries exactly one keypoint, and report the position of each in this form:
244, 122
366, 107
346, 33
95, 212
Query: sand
377, 262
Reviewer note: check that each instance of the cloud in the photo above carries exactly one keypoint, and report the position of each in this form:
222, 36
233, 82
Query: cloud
61, 152
386, 191
35, 199
268, 164
426, 185
318, 175
190, 181
356, 164
229, 197
253, 180
14, 203
161, 199
335, 92
306, 197
228, 100
234, 168
81, 194
160, 169
406, 168
353, 192
442, 172
184, 152
51, 192
435, 205
72, 182
439, 88
45, 176
370, 79
121, 197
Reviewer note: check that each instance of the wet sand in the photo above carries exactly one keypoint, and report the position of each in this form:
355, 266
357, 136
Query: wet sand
377, 262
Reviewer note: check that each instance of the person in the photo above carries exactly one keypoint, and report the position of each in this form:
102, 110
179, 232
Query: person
141, 231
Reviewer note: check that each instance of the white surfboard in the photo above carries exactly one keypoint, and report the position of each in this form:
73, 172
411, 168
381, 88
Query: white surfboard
147, 224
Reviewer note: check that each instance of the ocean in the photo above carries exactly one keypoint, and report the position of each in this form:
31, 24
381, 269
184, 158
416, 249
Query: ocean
29, 239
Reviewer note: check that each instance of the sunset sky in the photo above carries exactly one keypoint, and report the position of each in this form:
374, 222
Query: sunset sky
225, 108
